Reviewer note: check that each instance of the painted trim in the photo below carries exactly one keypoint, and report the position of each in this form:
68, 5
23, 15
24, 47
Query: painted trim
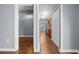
8, 49
16, 27
34, 34
61, 12
36, 29
26, 36
69, 50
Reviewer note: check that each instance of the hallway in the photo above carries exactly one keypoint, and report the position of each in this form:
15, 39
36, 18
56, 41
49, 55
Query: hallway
48, 46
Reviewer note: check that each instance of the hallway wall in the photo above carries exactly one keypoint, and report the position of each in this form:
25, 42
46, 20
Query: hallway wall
55, 27
25, 25
70, 27
6, 26
78, 25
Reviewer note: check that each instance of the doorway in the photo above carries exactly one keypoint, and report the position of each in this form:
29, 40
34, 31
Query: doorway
48, 44
25, 29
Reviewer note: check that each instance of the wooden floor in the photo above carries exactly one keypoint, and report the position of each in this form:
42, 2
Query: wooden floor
47, 45
25, 45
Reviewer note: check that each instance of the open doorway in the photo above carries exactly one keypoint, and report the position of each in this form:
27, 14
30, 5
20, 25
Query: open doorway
48, 28
25, 29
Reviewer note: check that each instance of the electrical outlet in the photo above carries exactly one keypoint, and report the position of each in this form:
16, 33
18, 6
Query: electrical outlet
7, 40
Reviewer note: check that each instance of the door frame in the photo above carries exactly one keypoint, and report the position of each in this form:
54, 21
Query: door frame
36, 28
16, 27
36, 33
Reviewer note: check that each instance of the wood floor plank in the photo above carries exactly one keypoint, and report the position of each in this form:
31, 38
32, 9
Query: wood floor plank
47, 45
25, 45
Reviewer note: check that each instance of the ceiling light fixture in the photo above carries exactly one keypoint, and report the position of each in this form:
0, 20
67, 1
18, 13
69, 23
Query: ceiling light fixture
44, 14
29, 16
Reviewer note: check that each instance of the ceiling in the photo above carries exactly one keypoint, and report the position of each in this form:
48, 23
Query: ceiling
46, 10
25, 7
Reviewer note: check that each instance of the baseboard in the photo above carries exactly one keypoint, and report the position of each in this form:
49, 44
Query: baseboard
36, 51
26, 36
69, 50
8, 49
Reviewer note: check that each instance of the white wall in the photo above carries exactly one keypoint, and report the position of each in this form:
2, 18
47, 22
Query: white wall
55, 27
70, 27
25, 25
6, 26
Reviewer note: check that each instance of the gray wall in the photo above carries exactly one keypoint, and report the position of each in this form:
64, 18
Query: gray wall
55, 27
70, 27
6, 26
78, 25
25, 25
